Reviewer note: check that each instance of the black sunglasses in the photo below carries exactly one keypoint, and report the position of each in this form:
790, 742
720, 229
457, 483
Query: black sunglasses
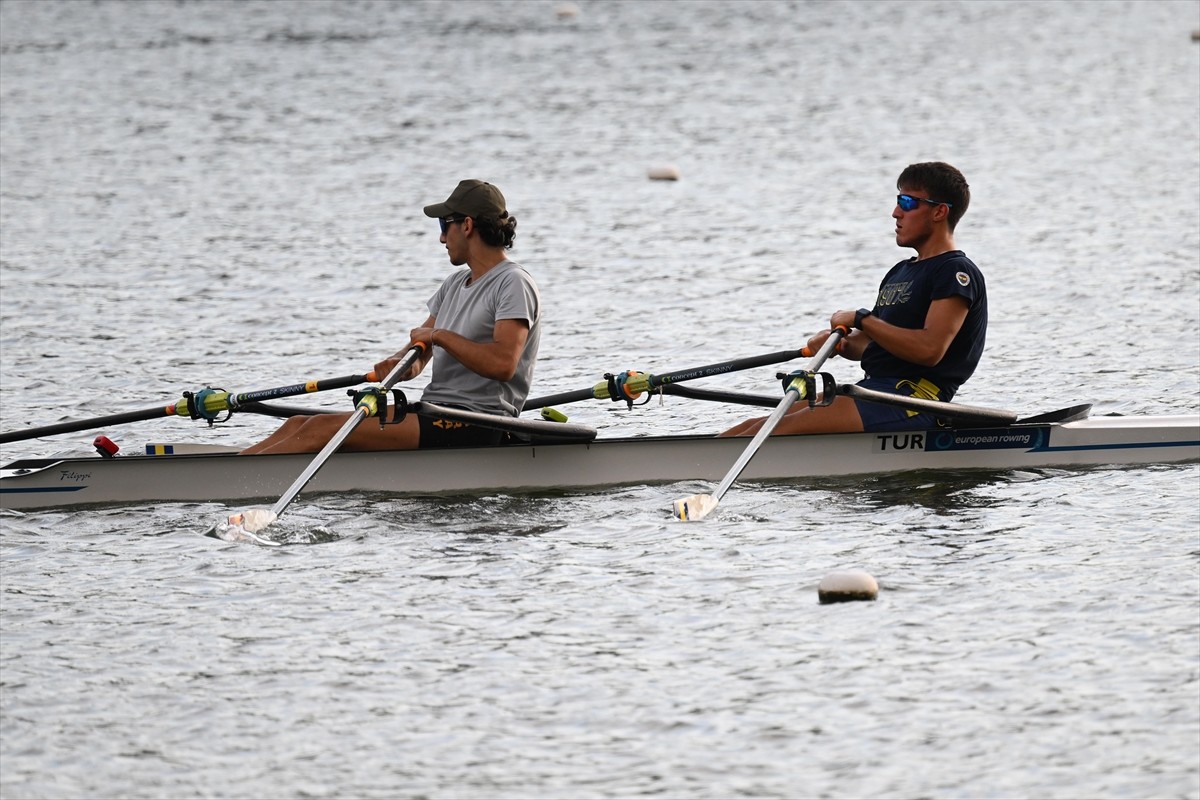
446, 222
907, 202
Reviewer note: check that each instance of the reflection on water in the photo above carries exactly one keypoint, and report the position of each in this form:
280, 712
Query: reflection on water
943, 492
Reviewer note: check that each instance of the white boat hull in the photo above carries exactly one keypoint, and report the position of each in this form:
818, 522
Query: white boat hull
207, 477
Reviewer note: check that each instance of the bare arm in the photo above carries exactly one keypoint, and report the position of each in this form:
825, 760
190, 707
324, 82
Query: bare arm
925, 346
851, 347
385, 366
496, 359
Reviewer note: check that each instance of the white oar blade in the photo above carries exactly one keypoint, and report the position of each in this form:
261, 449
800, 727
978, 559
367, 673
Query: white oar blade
253, 520
244, 527
698, 506
695, 507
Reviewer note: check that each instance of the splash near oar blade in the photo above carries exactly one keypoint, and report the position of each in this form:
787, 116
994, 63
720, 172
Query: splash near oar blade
253, 520
244, 527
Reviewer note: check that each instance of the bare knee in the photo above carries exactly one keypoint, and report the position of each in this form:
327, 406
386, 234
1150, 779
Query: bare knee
293, 424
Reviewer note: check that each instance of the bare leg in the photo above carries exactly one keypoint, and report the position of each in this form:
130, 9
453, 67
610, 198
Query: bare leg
310, 434
840, 417
283, 433
746, 428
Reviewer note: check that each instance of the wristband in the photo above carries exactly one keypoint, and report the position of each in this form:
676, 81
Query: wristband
860, 315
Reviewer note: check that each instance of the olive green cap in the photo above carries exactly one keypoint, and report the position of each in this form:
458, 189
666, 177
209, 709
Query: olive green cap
471, 198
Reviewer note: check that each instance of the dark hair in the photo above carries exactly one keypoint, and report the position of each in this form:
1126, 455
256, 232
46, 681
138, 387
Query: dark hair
942, 182
497, 232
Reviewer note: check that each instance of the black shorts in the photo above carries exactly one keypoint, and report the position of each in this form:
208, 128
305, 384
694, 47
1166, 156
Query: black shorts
881, 417
448, 433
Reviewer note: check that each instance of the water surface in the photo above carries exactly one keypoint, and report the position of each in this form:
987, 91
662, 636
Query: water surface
229, 194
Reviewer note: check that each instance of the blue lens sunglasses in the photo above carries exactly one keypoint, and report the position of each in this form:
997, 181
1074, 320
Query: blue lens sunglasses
907, 202
446, 222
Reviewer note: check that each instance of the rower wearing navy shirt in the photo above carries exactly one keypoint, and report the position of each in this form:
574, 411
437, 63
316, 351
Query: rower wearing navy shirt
925, 333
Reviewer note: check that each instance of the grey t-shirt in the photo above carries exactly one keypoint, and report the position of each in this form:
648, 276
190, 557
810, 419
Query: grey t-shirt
506, 291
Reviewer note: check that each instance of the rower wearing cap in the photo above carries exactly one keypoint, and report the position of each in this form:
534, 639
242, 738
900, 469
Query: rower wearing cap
481, 337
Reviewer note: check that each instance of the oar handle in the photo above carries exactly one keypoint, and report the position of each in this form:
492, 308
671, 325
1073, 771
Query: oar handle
827, 348
807, 352
393, 377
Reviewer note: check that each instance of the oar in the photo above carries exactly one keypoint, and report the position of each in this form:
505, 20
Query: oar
544, 430
629, 385
939, 407
249, 522
536, 428
942, 408
700, 505
206, 404
720, 396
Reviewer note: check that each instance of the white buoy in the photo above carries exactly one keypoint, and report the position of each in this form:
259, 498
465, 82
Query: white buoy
566, 10
842, 587
663, 172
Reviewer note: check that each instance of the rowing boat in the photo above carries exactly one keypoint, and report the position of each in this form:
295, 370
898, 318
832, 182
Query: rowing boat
200, 473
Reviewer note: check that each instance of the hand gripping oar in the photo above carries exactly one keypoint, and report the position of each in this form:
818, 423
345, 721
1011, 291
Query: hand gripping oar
628, 385
204, 404
248, 523
699, 505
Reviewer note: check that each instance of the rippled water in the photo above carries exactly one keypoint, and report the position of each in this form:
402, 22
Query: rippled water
229, 194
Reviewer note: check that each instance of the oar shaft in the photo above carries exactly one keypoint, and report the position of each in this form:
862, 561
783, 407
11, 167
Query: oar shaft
648, 382
560, 398
330, 447
84, 424
366, 408
551, 430
735, 365
768, 426
210, 404
307, 387
942, 408
737, 398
